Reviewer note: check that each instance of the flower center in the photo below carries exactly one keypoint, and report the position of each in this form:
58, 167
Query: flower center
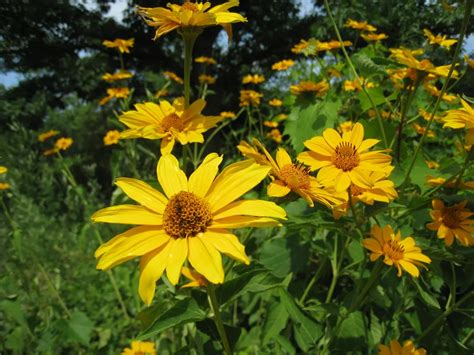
172, 121
189, 6
451, 217
295, 176
186, 215
346, 157
393, 250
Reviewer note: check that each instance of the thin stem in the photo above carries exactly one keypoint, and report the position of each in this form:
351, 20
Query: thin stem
313, 280
189, 39
348, 59
469, 157
336, 268
218, 319
53, 289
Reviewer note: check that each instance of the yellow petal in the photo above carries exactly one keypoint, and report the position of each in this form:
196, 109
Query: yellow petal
251, 208
166, 145
143, 193
226, 243
201, 180
283, 158
128, 214
357, 134
172, 179
176, 257
277, 188
331, 137
243, 222
410, 268
205, 259
343, 181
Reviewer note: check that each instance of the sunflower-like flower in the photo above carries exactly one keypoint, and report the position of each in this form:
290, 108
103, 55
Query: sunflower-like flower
190, 221
207, 79
46, 135
421, 130
111, 137
140, 348
275, 135
303, 87
452, 222
283, 65
205, 60
275, 102
461, 118
396, 348
227, 114
331, 45
361, 26
250, 98
115, 93
191, 15
63, 143
439, 39
120, 75
374, 37
439, 180
345, 160
167, 122
402, 254
173, 76
288, 176
122, 45
253, 79
353, 85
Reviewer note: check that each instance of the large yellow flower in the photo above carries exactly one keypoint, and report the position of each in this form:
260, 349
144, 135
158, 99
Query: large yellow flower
345, 159
461, 118
288, 176
167, 122
402, 254
450, 222
396, 348
191, 15
190, 223
122, 45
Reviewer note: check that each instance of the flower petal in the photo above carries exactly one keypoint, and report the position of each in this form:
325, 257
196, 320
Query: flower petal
357, 134
258, 208
277, 188
128, 214
143, 193
227, 243
176, 257
243, 222
172, 179
204, 257
331, 137
201, 180
283, 158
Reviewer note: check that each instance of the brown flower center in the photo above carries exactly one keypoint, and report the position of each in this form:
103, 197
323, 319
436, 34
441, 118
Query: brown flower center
451, 217
346, 157
296, 176
186, 215
172, 121
393, 250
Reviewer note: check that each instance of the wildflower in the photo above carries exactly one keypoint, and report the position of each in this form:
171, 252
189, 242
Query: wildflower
344, 160
320, 88
207, 79
112, 137
119, 93
275, 102
3, 169
281, 117
140, 348
374, 37
205, 60
4, 186
355, 84
190, 15
172, 76
461, 118
120, 75
190, 223
250, 98
433, 90
450, 222
168, 123
432, 164
469, 61
161, 93
439, 39
289, 176
437, 181
427, 116
361, 26
395, 348
253, 79
421, 130
283, 65
63, 143
275, 135
122, 45
46, 135
227, 114
402, 254
197, 280
345, 127
334, 73
300, 47
328, 46
271, 124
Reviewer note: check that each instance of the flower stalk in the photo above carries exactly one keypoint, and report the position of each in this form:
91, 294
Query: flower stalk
218, 319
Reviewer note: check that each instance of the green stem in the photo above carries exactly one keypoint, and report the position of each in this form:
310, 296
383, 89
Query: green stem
348, 59
336, 266
467, 14
218, 319
313, 280
469, 157
189, 38
53, 289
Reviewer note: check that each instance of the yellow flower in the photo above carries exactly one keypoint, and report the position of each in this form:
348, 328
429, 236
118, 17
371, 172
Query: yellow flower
3, 169
426, 115
119, 93
334, 73
433, 90
122, 45
469, 61
402, 254
197, 280
432, 164
421, 130
191, 221
168, 122
396, 349
4, 186
250, 98
345, 127
361, 26
461, 118
281, 117
334, 44
283, 64
207, 79
300, 47
46, 135
253, 79
437, 181
227, 114
161, 93
120, 75
112, 137
355, 85
205, 60
374, 37
275, 135
345, 160
452, 222
63, 143
290, 176
439, 39
271, 124
275, 102
191, 15
140, 348
320, 88
50, 151
172, 76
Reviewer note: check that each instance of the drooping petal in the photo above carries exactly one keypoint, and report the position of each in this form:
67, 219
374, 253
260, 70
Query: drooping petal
283, 158
243, 222
204, 257
172, 179
277, 188
226, 243
201, 180
128, 214
257, 208
143, 193
410, 268
177, 255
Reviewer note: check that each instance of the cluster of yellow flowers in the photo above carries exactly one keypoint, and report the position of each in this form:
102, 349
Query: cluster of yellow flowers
62, 143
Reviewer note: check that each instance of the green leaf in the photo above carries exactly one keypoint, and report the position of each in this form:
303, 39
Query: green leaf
275, 322
13, 310
79, 327
352, 332
208, 327
182, 312
150, 314
284, 255
426, 296
377, 96
366, 66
